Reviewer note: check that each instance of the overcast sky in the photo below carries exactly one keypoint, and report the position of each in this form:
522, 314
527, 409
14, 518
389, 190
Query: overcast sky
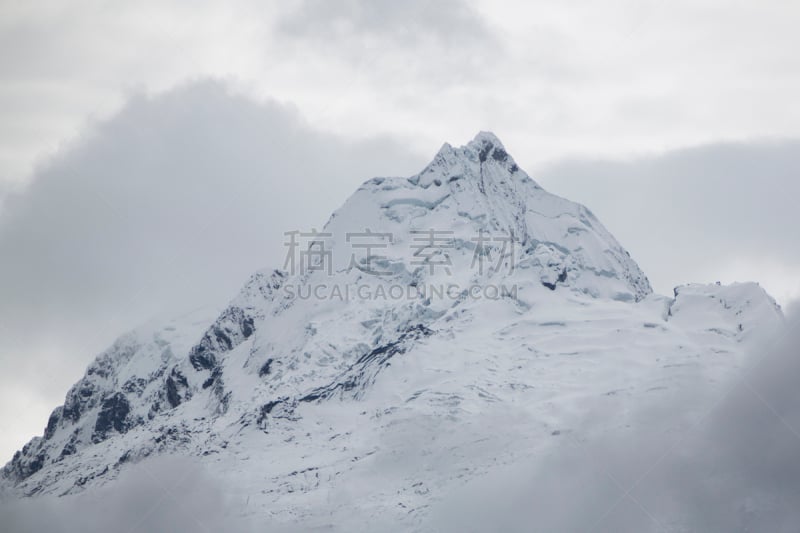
153, 153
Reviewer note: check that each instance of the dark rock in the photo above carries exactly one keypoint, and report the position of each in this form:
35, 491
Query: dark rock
134, 386
36, 464
280, 408
484, 153
561, 279
215, 375
223, 339
69, 448
52, 422
113, 415
231, 328
499, 155
200, 359
366, 368
71, 412
175, 382
247, 327
265, 368
27, 461
80, 482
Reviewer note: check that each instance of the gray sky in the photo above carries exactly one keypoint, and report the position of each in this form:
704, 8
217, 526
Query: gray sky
154, 148
718, 212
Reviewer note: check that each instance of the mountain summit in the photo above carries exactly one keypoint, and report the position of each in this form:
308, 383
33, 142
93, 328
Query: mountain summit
436, 327
478, 189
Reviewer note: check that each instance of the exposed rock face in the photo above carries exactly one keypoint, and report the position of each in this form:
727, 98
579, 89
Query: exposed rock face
113, 416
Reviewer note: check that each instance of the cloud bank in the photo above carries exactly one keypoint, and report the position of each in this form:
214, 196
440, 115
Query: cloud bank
735, 466
557, 77
166, 494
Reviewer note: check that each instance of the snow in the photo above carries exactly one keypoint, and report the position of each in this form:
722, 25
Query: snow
333, 411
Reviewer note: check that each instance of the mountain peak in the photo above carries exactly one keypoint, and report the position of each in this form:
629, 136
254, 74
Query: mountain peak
428, 308
472, 221
486, 141
469, 161
483, 142
486, 136
477, 189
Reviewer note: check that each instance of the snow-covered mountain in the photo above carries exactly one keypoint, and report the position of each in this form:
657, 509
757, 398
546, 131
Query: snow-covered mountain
438, 326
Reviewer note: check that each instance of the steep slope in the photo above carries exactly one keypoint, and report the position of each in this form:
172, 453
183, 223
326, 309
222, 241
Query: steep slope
435, 327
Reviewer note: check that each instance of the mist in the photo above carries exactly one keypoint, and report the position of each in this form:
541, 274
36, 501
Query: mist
166, 494
701, 462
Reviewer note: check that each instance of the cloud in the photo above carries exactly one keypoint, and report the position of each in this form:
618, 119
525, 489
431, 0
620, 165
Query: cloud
166, 494
699, 462
418, 41
170, 204
448, 22
717, 212
554, 78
